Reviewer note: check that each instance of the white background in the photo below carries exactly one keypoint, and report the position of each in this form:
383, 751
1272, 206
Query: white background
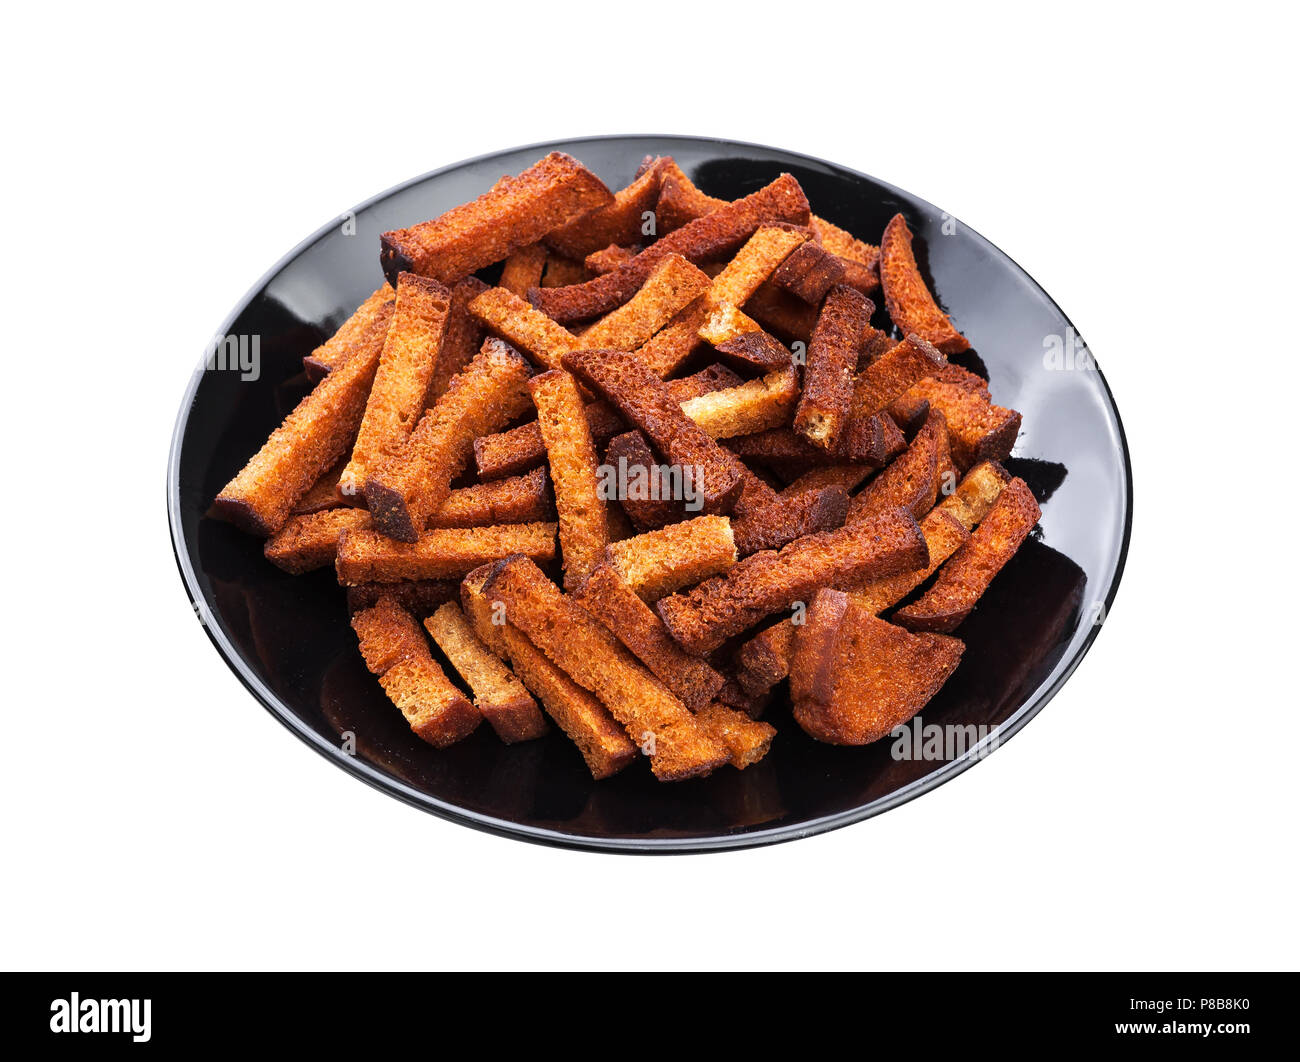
1138, 163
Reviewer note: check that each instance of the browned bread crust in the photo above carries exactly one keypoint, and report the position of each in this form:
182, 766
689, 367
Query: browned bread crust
418, 596
976, 494
523, 269
764, 660
463, 339
522, 499
510, 317
372, 557
660, 562
791, 517
406, 490
911, 306
607, 259
308, 542
908, 411
849, 476
823, 411
646, 401
639, 628
977, 429
967, 574
912, 481
340, 346
310, 440
571, 456
943, 537
498, 694
673, 284
324, 493
657, 721
681, 202
782, 314
395, 650
855, 677
893, 373
753, 406
746, 740
603, 743
619, 222
713, 236
741, 340
515, 212
397, 396
763, 583
809, 273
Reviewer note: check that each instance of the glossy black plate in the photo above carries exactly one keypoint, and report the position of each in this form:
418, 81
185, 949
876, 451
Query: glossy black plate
288, 638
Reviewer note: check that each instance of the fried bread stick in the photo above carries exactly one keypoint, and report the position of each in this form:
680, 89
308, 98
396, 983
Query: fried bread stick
907, 297
371, 557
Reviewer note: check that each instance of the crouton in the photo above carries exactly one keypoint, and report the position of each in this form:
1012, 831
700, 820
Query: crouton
619, 222
523, 269
584, 533
647, 498
967, 574
639, 628
522, 499
976, 494
763, 583
406, 365
809, 273
912, 481
741, 341
782, 314
324, 493
824, 407
977, 429
678, 746
753, 406
608, 259
791, 517
462, 340
673, 284
395, 650
516, 211
308, 542
907, 298
764, 660
944, 535
310, 440
561, 272
660, 562
509, 317
498, 695
854, 677
746, 740
371, 557
404, 491
419, 597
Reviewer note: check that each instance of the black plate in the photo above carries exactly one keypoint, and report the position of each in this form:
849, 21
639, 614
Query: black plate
289, 641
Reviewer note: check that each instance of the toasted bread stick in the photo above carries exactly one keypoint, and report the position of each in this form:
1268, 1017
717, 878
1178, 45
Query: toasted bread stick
893, 373
584, 532
510, 452
737, 281
371, 557
673, 284
680, 201
406, 490
620, 222
308, 542
660, 562
855, 678
792, 517
516, 211
498, 695
967, 574
753, 406
309, 441
522, 499
647, 498
741, 340
463, 339
523, 269
339, 347
603, 743
658, 722
639, 628
763, 583
509, 317
912, 481
406, 366
621, 379
907, 298
861, 260
764, 660
809, 273
976, 494
747, 740
849, 476
824, 408
712, 236
977, 429
395, 650
419, 597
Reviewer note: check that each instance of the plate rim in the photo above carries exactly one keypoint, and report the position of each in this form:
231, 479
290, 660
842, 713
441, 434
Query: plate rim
361, 769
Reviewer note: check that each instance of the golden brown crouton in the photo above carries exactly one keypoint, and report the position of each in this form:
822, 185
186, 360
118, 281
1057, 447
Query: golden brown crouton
659, 562
673, 284
523, 269
824, 407
340, 346
511, 318
372, 557
746, 739
911, 306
